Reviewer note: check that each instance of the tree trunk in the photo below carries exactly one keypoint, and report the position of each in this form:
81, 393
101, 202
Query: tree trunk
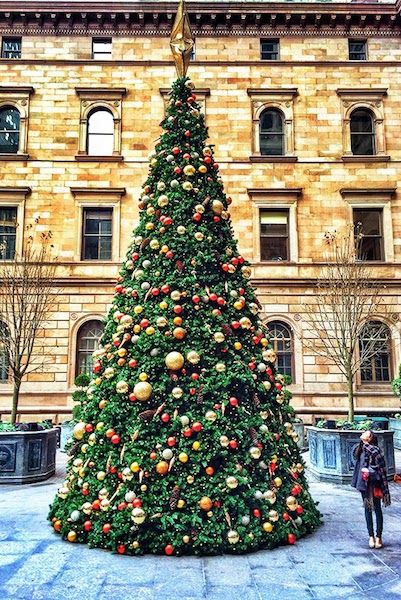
16, 388
350, 386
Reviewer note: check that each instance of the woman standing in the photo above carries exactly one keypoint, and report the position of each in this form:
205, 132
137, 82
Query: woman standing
370, 478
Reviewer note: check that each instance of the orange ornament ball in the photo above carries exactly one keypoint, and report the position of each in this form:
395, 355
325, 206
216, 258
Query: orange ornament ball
162, 467
205, 503
209, 471
179, 333
57, 525
177, 321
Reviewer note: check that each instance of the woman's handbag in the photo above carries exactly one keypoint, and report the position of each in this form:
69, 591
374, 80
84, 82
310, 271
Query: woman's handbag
377, 492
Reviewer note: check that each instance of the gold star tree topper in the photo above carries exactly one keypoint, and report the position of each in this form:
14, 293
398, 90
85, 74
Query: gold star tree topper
181, 40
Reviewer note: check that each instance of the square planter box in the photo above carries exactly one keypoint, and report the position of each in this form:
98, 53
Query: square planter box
332, 453
395, 425
27, 456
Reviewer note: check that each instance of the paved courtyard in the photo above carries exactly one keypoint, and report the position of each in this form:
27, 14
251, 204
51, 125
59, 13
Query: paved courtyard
333, 563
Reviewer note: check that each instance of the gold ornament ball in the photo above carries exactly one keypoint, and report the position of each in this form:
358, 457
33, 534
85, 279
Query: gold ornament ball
273, 515
162, 467
143, 487
143, 390
177, 392
278, 482
220, 367
210, 416
193, 357
190, 479
138, 515
237, 345
217, 207
181, 503
232, 482
186, 539
196, 445
79, 430
267, 526
224, 441
135, 545
233, 536
174, 361
72, 536
291, 502
219, 337
134, 467
183, 457
101, 476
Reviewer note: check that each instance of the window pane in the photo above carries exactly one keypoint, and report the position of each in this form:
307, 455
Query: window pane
357, 49
361, 121
271, 134
370, 221
368, 224
269, 49
101, 121
102, 48
281, 339
97, 234
8, 232
9, 130
271, 121
271, 145
274, 249
363, 143
374, 348
87, 342
11, 48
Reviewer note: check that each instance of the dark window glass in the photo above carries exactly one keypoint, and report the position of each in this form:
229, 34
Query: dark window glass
100, 138
102, 48
8, 231
362, 132
357, 49
374, 343
274, 236
97, 234
3, 354
87, 342
271, 133
9, 130
11, 47
282, 341
368, 225
269, 49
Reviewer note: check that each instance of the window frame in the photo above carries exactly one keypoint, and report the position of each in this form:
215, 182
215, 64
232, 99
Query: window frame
280, 133
98, 198
276, 52
4, 362
275, 199
11, 107
362, 134
15, 197
374, 198
365, 99
105, 55
273, 341
379, 237
6, 39
365, 49
99, 235
17, 97
7, 235
100, 98
374, 381
286, 212
78, 350
282, 100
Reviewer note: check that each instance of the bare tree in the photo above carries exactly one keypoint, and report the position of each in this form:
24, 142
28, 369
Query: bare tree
27, 296
346, 299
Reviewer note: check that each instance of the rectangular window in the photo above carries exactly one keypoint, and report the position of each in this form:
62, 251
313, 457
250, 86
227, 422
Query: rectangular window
97, 233
11, 47
357, 49
101, 48
8, 231
269, 49
368, 224
274, 235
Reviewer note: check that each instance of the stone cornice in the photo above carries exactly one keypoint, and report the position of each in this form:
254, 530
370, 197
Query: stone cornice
212, 19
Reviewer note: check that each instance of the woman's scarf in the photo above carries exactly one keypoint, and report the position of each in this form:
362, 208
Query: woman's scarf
373, 459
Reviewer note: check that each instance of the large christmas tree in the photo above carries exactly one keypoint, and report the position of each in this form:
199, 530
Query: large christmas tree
185, 443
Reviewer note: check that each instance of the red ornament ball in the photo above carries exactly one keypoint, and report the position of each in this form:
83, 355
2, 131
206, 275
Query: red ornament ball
169, 550
291, 538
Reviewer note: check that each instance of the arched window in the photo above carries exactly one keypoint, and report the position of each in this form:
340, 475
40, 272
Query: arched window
375, 353
282, 341
87, 341
9, 130
100, 136
362, 128
271, 133
3, 354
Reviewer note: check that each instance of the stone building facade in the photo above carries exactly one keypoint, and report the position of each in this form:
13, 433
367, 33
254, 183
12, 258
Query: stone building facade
302, 105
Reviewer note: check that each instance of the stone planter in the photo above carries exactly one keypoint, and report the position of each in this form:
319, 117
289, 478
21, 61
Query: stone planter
27, 456
65, 434
395, 425
300, 430
331, 453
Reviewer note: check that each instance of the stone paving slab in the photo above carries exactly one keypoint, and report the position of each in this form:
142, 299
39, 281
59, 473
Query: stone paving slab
335, 562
